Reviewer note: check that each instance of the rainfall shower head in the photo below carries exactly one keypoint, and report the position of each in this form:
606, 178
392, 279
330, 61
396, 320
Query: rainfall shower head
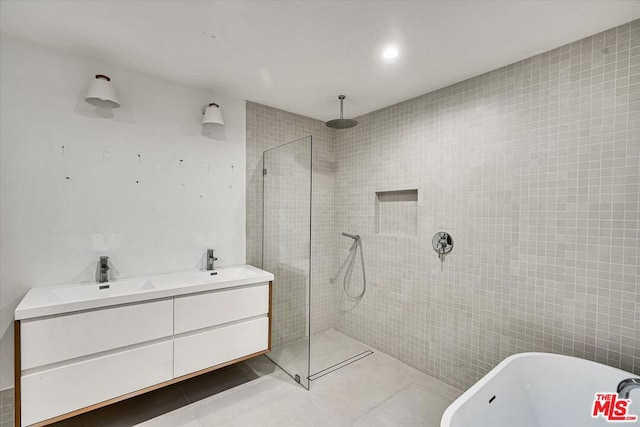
341, 123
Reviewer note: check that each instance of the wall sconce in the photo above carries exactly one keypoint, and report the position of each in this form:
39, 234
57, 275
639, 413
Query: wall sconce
212, 115
101, 93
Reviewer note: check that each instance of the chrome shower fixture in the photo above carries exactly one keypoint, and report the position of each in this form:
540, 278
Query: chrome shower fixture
352, 236
351, 260
341, 123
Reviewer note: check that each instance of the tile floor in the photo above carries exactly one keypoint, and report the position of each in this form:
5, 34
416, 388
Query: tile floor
6, 408
376, 390
159, 402
328, 348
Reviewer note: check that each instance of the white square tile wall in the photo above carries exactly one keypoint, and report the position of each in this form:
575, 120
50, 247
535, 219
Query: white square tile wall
397, 212
533, 168
287, 190
268, 128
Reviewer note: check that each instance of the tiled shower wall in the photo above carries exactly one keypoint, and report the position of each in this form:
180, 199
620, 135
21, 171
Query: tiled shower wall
286, 214
268, 128
534, 169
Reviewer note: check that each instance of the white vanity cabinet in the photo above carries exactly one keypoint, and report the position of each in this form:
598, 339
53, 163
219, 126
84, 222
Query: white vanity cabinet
211, 325
76, 360
203, 310
64, 389
48, 340
70, 363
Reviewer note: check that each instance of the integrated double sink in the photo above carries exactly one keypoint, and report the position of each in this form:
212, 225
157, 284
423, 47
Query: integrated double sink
100, 290
50, 300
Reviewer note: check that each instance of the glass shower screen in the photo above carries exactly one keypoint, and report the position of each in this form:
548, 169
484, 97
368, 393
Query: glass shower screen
286, 252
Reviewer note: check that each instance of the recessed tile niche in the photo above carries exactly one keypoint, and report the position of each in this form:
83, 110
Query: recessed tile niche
397, 212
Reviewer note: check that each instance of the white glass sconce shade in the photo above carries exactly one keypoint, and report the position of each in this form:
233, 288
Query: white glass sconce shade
101, 93
213, 115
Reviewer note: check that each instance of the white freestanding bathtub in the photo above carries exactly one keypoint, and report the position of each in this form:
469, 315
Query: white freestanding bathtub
540, 390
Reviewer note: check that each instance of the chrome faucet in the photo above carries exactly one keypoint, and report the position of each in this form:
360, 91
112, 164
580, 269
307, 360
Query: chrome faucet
210, 259
104, 267
625, 387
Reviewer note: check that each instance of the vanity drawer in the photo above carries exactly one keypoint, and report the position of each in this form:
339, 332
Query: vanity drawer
55, 339
57, 391
214, 308
213, 347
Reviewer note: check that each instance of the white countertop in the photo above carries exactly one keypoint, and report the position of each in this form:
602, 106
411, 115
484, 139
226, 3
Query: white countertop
60, 299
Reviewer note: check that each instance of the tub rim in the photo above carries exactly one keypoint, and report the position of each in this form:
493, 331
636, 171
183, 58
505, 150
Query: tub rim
445, 420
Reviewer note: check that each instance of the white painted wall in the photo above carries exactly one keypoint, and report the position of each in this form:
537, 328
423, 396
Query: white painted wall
190, 193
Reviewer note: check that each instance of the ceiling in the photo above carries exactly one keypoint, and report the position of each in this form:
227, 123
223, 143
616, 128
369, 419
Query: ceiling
300, 55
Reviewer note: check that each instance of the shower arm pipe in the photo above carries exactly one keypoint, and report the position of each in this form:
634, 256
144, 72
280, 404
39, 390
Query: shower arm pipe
352, 236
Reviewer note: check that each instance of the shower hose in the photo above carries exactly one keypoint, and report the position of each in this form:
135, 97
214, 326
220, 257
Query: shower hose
346, 281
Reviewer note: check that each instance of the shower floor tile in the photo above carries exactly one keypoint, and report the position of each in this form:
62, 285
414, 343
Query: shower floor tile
331, 347
328, 348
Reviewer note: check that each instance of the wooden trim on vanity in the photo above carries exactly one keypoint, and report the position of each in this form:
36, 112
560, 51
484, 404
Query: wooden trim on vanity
270, 313
17, 373
213, 368
144, 390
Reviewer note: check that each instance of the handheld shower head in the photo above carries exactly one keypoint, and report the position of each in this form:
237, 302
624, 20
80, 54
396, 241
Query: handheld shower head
352, 236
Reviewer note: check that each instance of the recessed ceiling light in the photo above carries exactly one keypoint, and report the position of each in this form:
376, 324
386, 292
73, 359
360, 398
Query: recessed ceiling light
390, 52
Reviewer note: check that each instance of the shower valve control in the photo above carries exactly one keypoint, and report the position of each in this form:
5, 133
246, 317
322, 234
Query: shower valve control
442, 244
